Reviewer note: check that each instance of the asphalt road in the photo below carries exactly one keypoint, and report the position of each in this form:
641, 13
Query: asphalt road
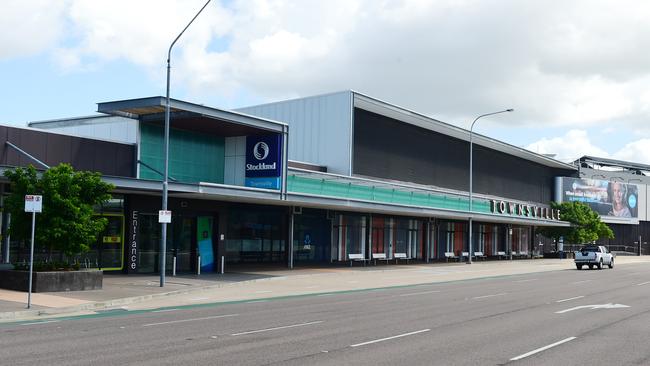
532, 319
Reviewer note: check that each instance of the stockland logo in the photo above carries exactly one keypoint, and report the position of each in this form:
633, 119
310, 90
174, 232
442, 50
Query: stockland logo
261, 150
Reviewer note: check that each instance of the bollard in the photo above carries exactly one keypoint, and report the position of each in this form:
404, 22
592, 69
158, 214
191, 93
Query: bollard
198, 267
174, 266
223, 263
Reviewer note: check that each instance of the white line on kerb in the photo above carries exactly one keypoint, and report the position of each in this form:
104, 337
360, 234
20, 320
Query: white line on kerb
389, 338
276, 328
43, 322
420, 293
643, 283
571, 298
190, 320
542, 349
164, 310
485, 296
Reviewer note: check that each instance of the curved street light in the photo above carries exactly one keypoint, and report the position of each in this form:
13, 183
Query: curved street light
163, 239
471, 165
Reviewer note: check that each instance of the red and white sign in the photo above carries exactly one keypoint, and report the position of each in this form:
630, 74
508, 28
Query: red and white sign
164, 217
33, 203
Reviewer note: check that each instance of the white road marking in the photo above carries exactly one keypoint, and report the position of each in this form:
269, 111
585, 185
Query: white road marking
325, 295
164, 310
255, 301
592, 307
542, 349
389, 338
571, 298
198, 298
420, 293
529, 280
643, 283
486, 296
191, 320
42, 322
263, 292
277, 328
577, 282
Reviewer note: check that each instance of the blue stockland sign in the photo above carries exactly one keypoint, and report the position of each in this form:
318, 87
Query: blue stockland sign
263, 161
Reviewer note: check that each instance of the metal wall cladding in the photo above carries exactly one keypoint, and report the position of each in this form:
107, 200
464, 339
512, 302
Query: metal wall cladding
114, 128
319, 128
108, 158
387, 148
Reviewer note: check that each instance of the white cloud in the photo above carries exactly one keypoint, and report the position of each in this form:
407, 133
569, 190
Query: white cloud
636, 151
581, 63
28, 28
569, 147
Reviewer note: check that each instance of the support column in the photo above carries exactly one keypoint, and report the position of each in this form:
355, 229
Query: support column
291, 223
5, 222
509, 240
222, 233
428, 241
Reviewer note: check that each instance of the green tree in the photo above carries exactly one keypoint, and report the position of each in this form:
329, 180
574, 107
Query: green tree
585, 224
67, 224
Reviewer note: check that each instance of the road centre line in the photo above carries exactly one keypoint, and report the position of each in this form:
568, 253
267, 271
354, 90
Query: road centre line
643, 283
277, 328
577, 282
42, 322
542, 349
191, 320
571, 298
389, 338
486, 296
420, 293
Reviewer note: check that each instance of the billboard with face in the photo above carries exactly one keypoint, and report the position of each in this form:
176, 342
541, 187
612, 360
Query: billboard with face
608, 198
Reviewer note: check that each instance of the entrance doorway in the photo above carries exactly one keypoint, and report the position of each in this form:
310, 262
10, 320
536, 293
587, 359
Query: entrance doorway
188, 237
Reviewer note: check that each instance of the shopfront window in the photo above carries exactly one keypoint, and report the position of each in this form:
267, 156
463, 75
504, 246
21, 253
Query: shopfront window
350, 236
451, 236
256, 235
407, 237
311, 236
521, 240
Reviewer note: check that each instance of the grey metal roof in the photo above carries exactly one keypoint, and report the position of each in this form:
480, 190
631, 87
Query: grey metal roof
135, 108
381, 107
627, 165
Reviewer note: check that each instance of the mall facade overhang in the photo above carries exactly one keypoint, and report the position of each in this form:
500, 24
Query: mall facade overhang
340, 193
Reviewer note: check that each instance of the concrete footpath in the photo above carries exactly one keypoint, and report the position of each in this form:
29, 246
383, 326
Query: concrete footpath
137, 292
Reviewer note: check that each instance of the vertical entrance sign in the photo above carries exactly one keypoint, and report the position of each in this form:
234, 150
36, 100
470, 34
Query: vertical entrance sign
33, 204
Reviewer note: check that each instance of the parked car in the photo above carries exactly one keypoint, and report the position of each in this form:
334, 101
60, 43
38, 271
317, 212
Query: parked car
593, 255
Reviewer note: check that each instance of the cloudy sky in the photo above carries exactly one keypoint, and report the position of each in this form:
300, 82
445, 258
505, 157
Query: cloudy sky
576, 72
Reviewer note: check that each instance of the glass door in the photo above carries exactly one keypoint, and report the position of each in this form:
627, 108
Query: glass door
182, 244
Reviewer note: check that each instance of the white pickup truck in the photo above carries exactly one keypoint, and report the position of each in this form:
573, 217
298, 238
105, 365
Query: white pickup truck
593, 255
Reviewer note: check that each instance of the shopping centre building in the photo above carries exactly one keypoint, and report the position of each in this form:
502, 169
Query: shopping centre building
310, 181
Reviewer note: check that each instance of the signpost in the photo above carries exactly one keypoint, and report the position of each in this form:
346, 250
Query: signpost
164, 217
33, 204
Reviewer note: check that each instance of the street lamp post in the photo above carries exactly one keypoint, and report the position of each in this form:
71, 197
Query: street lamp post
163, 239
471, 166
